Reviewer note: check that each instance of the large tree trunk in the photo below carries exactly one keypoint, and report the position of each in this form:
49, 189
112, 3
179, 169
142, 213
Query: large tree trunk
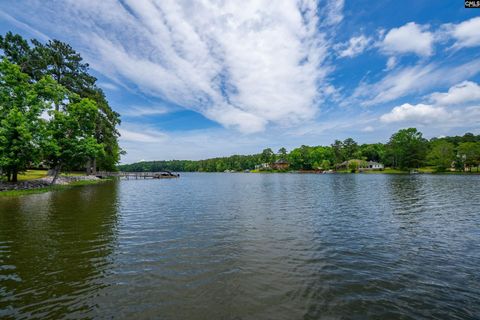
14, 175
88, 167
58, 168
91, 166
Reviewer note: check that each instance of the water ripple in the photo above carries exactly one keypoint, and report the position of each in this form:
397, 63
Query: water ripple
245, 246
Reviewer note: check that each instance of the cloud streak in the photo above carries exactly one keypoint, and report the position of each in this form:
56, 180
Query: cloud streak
243, 64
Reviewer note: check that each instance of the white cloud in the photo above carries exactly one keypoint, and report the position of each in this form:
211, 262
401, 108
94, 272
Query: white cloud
107, 85
141, 135
138, 111
368, 129
467, 91
410, 38
417, 113
334, 12
412, 80
354, 46
437, 112
466, 33
195, 145
244, 64
391, 63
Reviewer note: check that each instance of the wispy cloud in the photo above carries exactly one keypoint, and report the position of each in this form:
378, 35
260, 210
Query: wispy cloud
258, 66
107, 85
142, 135
413, 80
22, 25
354, 46
333, 12
138, 111
243, 64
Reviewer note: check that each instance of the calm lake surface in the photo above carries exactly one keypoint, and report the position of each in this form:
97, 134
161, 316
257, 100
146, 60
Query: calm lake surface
245, 246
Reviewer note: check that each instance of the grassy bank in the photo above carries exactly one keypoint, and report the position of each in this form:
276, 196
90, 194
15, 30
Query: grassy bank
430, 170
387, 171
74, 184
37, 174
268, 171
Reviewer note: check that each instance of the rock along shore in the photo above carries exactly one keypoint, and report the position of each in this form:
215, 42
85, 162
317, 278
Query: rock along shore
43, 182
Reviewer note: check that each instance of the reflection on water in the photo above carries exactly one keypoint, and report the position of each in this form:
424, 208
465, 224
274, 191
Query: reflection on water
55, 248
246, 246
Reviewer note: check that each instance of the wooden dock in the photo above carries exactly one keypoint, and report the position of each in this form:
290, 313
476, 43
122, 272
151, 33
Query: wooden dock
138, 175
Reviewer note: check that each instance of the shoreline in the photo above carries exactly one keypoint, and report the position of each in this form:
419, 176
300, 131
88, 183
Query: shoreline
42, 185
388, 171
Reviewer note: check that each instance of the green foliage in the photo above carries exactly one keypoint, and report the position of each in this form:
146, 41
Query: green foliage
353, 166
350, 148
372, 152
69, 140
17, 51
268, 156
60, 71
441, 154
51, 79
60, 61
20, 125
337, 148
235, 162
282, 153
469, 154
406, 145
407, 149
325, 164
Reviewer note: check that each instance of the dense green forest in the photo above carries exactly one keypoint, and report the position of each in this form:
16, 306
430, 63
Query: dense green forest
406, 149
52, 112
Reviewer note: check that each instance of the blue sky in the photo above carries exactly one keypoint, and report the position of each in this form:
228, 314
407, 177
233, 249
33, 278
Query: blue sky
195, 79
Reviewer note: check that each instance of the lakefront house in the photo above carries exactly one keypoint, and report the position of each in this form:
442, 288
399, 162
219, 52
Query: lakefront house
372, 165
280, 164
361, 165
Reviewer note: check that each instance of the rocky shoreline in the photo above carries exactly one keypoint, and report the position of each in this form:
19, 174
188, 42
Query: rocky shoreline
43, 182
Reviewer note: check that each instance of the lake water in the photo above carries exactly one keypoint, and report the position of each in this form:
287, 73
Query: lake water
245, 246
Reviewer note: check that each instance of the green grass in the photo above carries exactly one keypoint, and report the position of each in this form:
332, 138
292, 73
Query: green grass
15, 193
386, 171
37, 174
267, 171
32, 175
457, 172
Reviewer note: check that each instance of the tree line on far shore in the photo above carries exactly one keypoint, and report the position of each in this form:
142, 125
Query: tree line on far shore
52, 113
406, 149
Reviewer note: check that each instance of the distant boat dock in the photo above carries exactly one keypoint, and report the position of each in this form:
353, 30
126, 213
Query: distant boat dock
138, 175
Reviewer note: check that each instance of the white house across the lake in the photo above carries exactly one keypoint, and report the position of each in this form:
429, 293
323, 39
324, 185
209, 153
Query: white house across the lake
372, 165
